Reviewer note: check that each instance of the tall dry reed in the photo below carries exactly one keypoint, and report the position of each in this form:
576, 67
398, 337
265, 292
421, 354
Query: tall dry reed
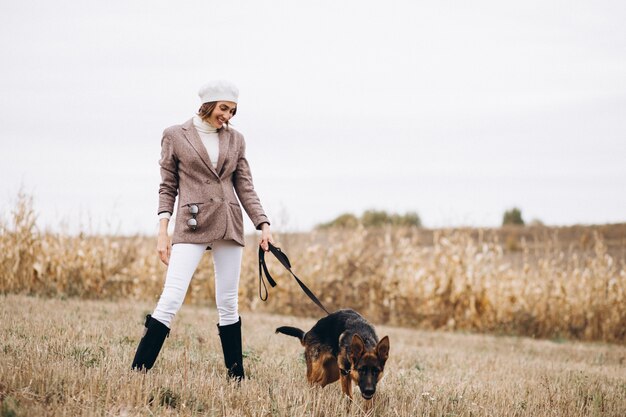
453, 279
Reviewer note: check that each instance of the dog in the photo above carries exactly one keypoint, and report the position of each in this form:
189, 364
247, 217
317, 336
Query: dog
343, 345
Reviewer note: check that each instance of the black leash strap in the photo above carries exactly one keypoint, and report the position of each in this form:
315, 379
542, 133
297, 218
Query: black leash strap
282, 258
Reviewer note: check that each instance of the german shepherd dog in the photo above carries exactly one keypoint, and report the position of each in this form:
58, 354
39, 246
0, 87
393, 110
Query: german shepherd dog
343, 345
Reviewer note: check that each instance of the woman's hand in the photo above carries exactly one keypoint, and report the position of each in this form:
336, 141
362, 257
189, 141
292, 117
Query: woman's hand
266, 237
164, 248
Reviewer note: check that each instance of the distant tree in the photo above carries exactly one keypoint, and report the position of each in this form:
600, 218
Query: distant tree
513, 216
373, 218
408, 219
346, 221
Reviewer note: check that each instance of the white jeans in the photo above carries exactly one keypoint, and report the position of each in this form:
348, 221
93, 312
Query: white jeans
184, 260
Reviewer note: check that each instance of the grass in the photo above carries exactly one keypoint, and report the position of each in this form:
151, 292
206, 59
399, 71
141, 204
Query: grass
72, 357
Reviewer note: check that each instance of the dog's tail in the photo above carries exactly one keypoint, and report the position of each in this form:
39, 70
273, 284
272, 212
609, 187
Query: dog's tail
291, 331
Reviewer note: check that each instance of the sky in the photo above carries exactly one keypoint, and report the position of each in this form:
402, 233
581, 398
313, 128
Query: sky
455, 110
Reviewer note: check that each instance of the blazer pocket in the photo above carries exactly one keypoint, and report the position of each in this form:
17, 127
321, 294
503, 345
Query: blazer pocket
187, 216
237, 216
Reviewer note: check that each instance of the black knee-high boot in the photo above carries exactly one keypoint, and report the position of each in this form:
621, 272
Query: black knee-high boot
230, 336
150, 344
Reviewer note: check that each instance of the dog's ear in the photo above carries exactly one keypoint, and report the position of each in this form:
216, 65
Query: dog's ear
357, 348
382, 349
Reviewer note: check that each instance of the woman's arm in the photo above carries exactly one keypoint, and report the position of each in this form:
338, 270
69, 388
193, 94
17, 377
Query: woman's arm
168, 190
164, 246
244, 187
266, 237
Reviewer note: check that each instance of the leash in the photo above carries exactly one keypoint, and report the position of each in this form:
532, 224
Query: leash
282, 258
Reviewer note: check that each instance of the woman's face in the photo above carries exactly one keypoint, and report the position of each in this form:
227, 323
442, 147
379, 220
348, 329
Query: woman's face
222, 113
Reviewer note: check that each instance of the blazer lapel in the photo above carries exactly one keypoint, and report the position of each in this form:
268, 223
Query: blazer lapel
224, 141
192, 136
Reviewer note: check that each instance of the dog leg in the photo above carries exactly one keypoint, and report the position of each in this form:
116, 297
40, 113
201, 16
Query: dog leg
346, 385
346, 388
331, 370
323, 369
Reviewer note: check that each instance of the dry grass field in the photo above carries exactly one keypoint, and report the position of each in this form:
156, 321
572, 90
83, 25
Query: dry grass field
72, 310
71, 358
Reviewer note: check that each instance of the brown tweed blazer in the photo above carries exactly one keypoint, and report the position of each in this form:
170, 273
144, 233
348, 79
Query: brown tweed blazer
186, 171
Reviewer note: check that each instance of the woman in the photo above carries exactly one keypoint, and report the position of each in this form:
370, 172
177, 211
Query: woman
203, 162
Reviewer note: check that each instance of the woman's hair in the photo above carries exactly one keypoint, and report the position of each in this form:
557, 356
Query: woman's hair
207, 108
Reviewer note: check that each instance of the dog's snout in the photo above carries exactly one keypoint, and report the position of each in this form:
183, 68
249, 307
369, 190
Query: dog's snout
368, 393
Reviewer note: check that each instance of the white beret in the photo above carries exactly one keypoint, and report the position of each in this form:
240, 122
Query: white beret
218, 90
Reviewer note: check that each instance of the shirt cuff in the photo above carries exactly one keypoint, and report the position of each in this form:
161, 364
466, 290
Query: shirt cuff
165, 215
260, 225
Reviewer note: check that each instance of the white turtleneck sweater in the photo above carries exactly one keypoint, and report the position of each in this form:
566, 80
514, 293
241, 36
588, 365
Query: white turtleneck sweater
210, 140
209, 137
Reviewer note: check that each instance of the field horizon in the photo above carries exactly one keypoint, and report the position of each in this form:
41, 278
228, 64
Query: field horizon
535, 281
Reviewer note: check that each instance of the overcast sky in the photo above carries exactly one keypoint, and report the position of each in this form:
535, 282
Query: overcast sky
456, 110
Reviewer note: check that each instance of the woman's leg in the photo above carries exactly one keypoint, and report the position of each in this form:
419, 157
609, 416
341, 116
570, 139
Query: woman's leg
227, 260
184, 260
